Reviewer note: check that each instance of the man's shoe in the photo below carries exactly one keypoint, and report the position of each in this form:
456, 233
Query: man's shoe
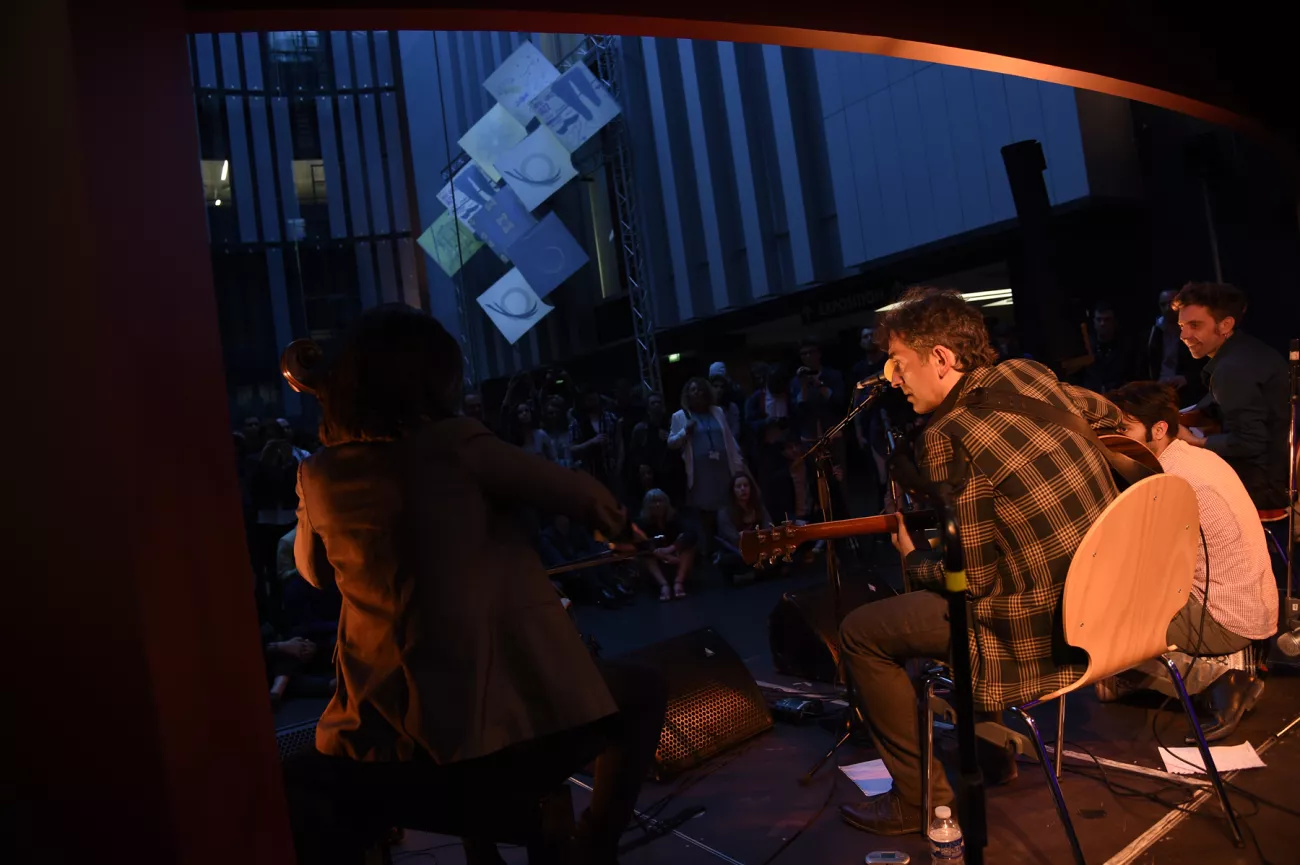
885, 814
1230, 697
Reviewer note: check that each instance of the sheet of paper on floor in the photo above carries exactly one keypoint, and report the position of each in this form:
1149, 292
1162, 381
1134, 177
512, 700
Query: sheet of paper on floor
1187, 761
871, 777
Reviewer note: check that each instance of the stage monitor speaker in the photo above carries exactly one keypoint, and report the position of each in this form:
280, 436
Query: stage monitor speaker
713, 701
803, 633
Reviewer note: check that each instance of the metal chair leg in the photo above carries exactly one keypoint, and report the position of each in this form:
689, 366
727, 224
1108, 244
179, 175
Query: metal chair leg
927, 752
1061, 808
1204, 748
1060, 734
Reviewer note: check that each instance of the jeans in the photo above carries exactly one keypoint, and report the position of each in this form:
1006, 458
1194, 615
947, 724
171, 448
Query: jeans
338, 807
877, 640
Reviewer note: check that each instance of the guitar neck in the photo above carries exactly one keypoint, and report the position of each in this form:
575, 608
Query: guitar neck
877, 525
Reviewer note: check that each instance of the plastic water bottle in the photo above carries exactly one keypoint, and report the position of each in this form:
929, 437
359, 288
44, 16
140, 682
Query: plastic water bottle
946, 844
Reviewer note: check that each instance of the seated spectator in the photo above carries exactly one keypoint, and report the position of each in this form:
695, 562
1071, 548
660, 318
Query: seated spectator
299, 453
709, 450
471, 405
1234, 597
744, 512
524, 431
674, 547
562, 542
305, 610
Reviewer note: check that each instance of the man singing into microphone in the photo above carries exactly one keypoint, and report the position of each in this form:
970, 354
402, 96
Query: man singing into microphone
1028, 488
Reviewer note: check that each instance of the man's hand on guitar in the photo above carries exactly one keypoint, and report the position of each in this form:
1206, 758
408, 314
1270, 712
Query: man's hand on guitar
901, 539
1189, 436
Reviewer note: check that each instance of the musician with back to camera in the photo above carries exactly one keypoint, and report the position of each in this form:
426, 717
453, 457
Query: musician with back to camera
1248, 391
1028, 489
1242, 600
462, 683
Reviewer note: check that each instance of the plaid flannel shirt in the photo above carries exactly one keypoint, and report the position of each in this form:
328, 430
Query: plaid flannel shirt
1031, 492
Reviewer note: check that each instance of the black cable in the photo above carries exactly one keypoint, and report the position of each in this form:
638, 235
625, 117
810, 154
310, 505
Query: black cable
808, 824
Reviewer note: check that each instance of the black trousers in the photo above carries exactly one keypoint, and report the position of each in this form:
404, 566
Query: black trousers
339, 807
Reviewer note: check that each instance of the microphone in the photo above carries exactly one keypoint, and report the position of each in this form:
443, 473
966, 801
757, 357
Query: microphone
1289, 643
880, 379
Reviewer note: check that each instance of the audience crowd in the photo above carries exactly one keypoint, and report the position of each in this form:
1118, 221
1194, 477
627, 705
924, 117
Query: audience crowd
696, 468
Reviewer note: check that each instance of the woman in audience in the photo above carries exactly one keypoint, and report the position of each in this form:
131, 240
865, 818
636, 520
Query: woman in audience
525, 432
745, 511
674, 547
709, 450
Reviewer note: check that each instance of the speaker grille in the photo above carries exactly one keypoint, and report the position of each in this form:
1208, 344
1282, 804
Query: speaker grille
713, 701
292, 740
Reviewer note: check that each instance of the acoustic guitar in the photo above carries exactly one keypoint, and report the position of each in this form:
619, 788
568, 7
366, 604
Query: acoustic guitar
1195, 418
762, 547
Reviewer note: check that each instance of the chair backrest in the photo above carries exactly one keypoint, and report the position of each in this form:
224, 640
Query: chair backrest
1131, 576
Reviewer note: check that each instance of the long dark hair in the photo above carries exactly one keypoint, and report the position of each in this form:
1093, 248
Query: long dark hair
755, 498
395, 368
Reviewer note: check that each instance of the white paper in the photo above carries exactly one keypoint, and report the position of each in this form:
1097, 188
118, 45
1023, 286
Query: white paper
494, 134
871, 777
523, 75
473, 189
1227, 758
513, 306
536, 167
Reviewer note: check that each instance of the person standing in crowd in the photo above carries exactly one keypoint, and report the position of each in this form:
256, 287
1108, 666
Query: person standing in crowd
1117, 359
1234, 600
868, 426
727, 396
595, 438
649, 449
1168, 360
472, 407
819, 404
1248, 390
463, 686
524, 432
521, 389
674, 546
1029, 490
710, 452
555, 423
744, 512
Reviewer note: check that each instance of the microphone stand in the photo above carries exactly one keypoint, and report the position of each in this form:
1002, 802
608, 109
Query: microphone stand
970, 781
820, 453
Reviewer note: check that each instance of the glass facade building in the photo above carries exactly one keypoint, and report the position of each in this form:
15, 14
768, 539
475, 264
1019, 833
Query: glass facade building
759, 171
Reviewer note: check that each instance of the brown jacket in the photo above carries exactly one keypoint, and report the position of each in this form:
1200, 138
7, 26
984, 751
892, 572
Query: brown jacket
451, 639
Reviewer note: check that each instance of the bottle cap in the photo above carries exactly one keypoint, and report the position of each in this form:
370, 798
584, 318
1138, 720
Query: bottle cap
943, 812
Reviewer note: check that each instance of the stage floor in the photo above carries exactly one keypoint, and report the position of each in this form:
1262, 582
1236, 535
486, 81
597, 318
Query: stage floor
754, 806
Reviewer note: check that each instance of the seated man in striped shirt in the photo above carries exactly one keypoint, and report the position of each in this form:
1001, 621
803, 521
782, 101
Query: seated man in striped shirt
1234, 598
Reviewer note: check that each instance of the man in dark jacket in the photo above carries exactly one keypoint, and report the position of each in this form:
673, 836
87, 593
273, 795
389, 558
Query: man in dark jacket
1247, 384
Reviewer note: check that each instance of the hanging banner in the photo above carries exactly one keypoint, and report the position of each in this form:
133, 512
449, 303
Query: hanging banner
575, 107
495, 133
513, 306
502, 221
473, 189
523, 75
536, 167
547, 255
449, 243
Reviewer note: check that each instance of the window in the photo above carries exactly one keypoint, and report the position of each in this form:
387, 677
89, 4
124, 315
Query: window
297, 60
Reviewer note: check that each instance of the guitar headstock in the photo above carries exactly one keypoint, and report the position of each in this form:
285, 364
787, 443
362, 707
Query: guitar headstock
763, 547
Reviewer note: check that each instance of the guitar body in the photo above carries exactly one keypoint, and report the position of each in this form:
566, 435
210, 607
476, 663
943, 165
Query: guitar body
1134, 450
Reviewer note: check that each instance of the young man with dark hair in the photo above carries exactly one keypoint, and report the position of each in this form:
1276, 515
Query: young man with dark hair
1027, 487
1234, 594
1247, 384
1117, 359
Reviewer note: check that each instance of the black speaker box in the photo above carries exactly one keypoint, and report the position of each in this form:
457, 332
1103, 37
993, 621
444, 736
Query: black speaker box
713, 701
803, 632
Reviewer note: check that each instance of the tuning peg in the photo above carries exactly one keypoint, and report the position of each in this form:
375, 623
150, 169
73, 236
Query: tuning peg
787, 558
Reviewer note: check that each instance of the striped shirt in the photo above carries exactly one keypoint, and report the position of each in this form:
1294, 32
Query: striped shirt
1243, 593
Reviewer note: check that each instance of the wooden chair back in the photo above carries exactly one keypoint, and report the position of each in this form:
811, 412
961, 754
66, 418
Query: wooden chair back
1131, 576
